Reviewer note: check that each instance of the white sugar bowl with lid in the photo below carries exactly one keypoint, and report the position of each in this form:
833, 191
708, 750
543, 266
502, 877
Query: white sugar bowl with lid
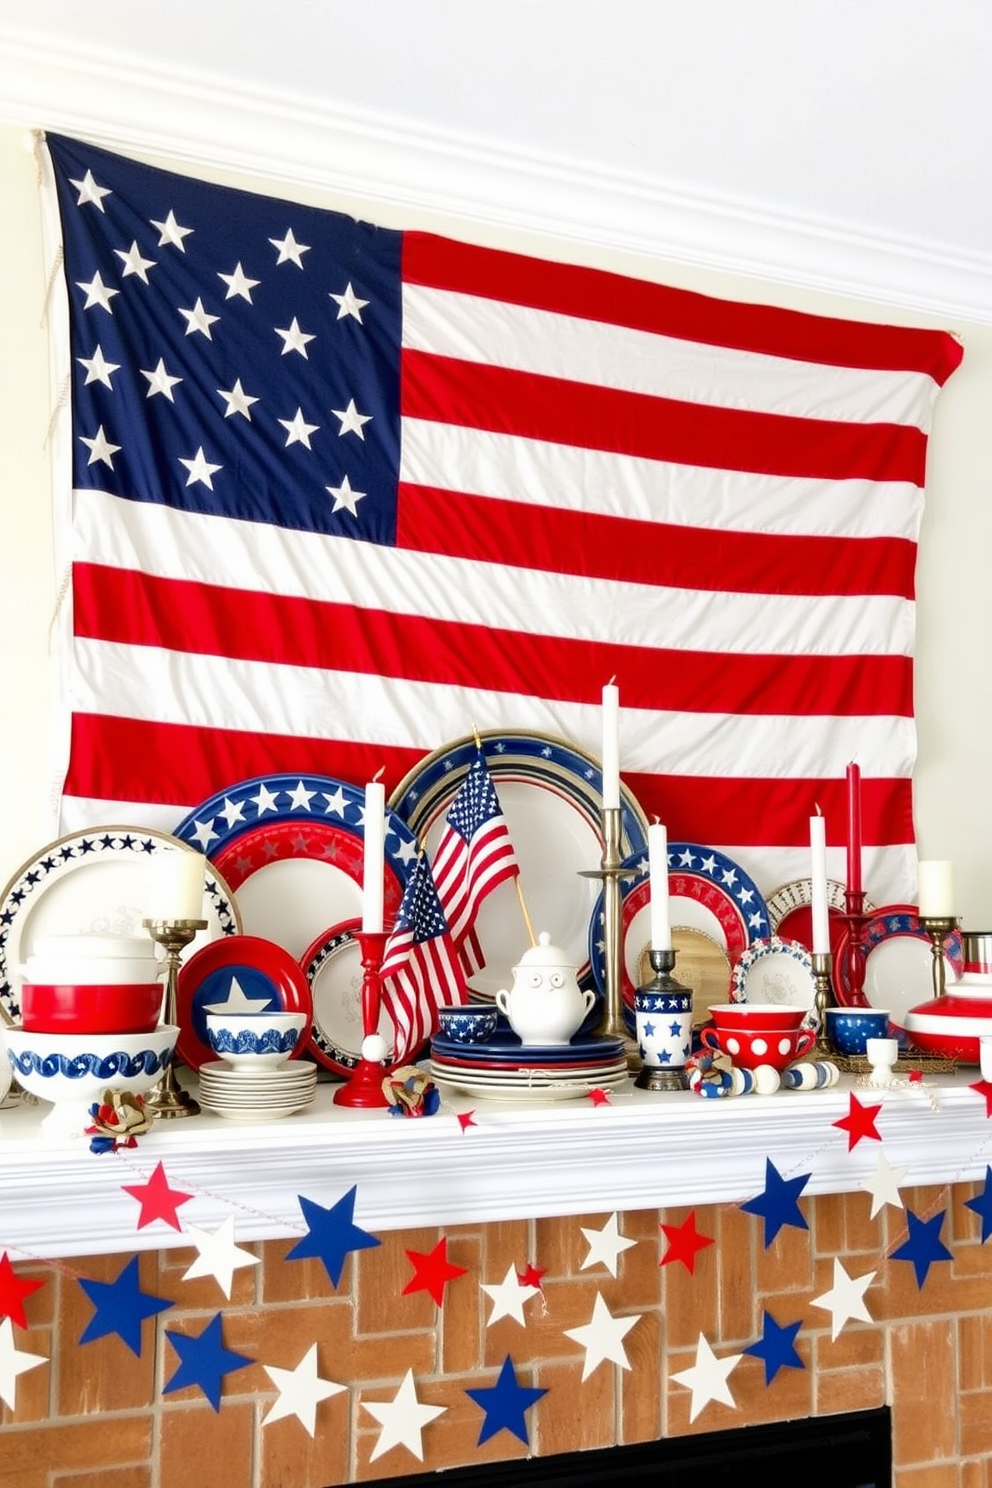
545, 1005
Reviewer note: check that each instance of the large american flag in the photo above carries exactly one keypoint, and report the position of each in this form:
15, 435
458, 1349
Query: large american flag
338, 492
474, 855
420, 969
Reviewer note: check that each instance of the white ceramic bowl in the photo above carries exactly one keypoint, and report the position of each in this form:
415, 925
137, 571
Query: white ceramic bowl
73, 1070
91, 960
252, 1041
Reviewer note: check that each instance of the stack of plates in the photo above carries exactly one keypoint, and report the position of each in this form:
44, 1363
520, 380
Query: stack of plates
504, 1069
257, 1095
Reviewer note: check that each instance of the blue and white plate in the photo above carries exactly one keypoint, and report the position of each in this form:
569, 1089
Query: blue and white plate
505, 1048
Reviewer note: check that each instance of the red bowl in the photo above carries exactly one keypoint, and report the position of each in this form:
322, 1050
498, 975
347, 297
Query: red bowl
123, 1007
757, 1015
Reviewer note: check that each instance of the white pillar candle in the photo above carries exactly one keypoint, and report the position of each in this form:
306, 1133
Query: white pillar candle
818, 877
373, 866
611, 747
936, 892
661, 927
175, 886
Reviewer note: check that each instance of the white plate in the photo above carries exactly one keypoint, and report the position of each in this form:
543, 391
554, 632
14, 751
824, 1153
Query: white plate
332, 966
521, 1095
774, 971
254, 1113
898, 963
94, 882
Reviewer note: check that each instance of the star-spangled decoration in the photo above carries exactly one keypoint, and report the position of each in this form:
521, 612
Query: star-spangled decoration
883, 1185
859, 1122
984, 1089
98, 369
170, 233
352, 422
238, 284
13, 1363
300, 1391
157, 1199
121, 1307
333, 1234
505, 1404
532, 1275
923, 1246
100, 448
981, 1204
845, 1299
707, 1379
684, 1243
605, 1246
402, 1419
433, 1271
14, 1289
290, 251
778, 1204
776, 1347
349, 304
466, 1119
218, 1256
345, 499
200, 469
602, 1337
89, 191
599, 1097
508, 1297
203, 1361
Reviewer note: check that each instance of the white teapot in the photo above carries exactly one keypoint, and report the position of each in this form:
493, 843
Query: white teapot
545, 1004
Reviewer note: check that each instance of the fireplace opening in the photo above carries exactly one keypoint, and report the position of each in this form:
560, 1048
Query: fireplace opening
847, 1451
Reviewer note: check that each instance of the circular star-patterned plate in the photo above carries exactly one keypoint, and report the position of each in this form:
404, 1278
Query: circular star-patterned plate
242, 974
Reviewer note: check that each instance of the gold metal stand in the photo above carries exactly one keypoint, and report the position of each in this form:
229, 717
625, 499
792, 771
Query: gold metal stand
823, 998
612, 1023
938, 929
168, 1098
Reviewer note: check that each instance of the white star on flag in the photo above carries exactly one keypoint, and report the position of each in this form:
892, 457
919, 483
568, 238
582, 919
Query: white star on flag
218, 1256
707, 1379
605, 1246
198, 319
170, 232
134, 263
508, 1297
239, 284
884, 1185
13, 1362
97, 293
237, 400
298, 431
345, 498
845, 1299
349, 304
200, 469
352, 420
159, 381
402, 1419
98, 369
89, 191
300, 1391
100, 448
602, 1337
295, 339
290, 251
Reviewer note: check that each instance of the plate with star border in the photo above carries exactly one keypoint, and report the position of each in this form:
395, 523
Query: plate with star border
241, 974
292, 847
708, 894
94, 883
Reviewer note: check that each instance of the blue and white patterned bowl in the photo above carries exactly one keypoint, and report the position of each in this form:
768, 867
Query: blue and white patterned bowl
72, 1070
849, 1028
252, 1041
467, 1025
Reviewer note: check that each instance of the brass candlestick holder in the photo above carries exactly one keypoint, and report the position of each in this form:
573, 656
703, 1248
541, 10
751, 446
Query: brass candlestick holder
612, 1023
168, 1098
823, 997
363, 1088
667, 1002
938, 927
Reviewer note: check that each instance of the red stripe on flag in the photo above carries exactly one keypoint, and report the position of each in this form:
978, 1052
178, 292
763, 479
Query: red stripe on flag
469, 394
593, 294
122, 605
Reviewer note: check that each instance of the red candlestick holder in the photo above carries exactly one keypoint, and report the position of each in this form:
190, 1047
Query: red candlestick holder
852, 952
364, 1085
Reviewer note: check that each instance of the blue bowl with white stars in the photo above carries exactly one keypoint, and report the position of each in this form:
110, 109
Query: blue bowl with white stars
850, 1028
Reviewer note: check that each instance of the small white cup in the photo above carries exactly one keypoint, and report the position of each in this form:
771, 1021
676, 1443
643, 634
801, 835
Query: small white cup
882, 1054
985, 1055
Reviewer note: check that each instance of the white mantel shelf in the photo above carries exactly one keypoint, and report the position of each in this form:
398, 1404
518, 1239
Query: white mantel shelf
643, 1151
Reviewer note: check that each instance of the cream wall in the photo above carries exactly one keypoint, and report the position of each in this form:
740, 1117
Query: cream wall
954, 650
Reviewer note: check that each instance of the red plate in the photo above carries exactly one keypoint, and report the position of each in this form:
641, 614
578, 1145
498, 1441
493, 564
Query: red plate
242, 973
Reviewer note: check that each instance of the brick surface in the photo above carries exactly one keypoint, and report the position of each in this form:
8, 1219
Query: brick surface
924, 1386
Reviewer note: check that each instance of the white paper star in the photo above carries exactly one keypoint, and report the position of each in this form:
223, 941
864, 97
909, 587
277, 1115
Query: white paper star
97, 293
290, 251
298, 431
13, 1361
402, 1419
349, 304
295, 339
239, 284
98, 369
237, 400
605, 1246
170, 232
237, 1001
200, 469
846, 1299
218, 1256
707, 1379
508, 1297
602, 1337
884, 1185
300, 1391
351, 420
199, 319
100, 448
89, 191
159, 381
345, 499
134, 263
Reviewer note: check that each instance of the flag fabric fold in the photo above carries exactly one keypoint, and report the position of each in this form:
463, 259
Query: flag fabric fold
420, 969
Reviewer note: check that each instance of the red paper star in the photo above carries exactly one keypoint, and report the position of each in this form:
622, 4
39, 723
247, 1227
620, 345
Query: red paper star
859, 1122
432, 1271
984, 1089
13, 1290
684, 1241
157, 1199
466, 1119
599, 1097
532, 1276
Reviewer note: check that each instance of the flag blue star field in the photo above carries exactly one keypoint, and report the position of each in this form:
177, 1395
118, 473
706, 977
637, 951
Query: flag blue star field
331, 493
420, 969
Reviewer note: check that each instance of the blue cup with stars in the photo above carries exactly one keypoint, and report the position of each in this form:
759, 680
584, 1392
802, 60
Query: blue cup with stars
663, 1023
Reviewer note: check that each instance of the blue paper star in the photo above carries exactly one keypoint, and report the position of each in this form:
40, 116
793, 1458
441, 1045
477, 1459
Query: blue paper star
778, 1205
776, 1347
121, 1307
333, 1234
982, 1205
924, 1245
505, 1403
203, 1361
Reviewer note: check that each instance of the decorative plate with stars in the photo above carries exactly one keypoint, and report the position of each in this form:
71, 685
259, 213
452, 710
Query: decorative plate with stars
93, 882
551, 796
708, 893
240, 974
332, 965
292, 848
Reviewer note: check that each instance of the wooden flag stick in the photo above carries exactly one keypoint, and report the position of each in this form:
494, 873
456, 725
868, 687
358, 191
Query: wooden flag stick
523, 909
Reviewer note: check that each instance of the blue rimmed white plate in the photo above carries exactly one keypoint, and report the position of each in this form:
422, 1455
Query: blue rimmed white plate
898, 964
242, 974
93, 882
293, 847
551, 795
774, 970
710, 897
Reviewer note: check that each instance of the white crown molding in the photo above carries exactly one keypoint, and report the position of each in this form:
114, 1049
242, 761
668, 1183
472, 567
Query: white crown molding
208, 123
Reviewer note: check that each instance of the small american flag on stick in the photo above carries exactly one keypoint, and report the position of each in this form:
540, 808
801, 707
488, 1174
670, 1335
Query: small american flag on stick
420, 969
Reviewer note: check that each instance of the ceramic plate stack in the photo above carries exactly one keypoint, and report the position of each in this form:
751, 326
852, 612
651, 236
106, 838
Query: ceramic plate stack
504, 1069
259, 1095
